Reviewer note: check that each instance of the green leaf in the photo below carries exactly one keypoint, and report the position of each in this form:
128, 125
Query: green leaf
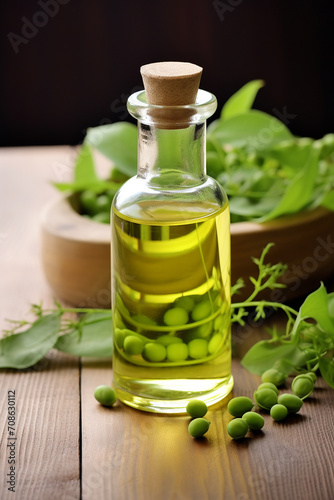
325, 145
326, 366
316, 306
255, 130
298, 192
331, 305
242, 100
27, 348
93, 339
84, 170
293, 153
328, 200
251, 181
247, 207
265, 353
118, 142
284, 366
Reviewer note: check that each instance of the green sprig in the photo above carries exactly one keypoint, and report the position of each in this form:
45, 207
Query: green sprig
90, 334
308, 340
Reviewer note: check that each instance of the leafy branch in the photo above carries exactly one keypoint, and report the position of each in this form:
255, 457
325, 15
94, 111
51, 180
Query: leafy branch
308, 341
88, 335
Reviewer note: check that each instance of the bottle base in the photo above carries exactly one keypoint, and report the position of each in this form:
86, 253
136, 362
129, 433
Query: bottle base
171, 396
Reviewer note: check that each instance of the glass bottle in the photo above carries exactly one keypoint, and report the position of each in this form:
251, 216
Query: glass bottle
171, 265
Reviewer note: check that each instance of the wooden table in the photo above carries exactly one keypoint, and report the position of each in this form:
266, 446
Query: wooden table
70, 447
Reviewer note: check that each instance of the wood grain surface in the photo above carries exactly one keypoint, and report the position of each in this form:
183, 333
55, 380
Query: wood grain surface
69, 447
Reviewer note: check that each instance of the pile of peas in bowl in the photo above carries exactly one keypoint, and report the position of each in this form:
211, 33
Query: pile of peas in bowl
97, 205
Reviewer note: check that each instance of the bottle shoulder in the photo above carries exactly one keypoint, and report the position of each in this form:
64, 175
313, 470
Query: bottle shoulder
139, 200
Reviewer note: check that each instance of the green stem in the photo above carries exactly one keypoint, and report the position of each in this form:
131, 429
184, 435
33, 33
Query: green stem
79, 310
264, 303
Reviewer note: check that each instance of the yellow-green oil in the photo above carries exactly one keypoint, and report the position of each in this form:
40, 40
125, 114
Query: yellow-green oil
155, 262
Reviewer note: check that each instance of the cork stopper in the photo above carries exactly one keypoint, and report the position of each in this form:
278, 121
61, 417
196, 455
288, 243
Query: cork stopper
171, 83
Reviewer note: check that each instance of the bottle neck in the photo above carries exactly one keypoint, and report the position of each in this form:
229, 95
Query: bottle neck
172, 157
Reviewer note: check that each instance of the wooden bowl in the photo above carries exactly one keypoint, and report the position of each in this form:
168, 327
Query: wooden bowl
76, 253
305, 242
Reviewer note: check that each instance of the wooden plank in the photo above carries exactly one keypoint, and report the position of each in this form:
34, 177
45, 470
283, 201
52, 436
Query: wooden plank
98, 428
47, 397
47, 431
132, 455
286, 461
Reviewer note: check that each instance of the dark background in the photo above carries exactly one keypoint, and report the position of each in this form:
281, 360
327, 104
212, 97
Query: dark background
74, 68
